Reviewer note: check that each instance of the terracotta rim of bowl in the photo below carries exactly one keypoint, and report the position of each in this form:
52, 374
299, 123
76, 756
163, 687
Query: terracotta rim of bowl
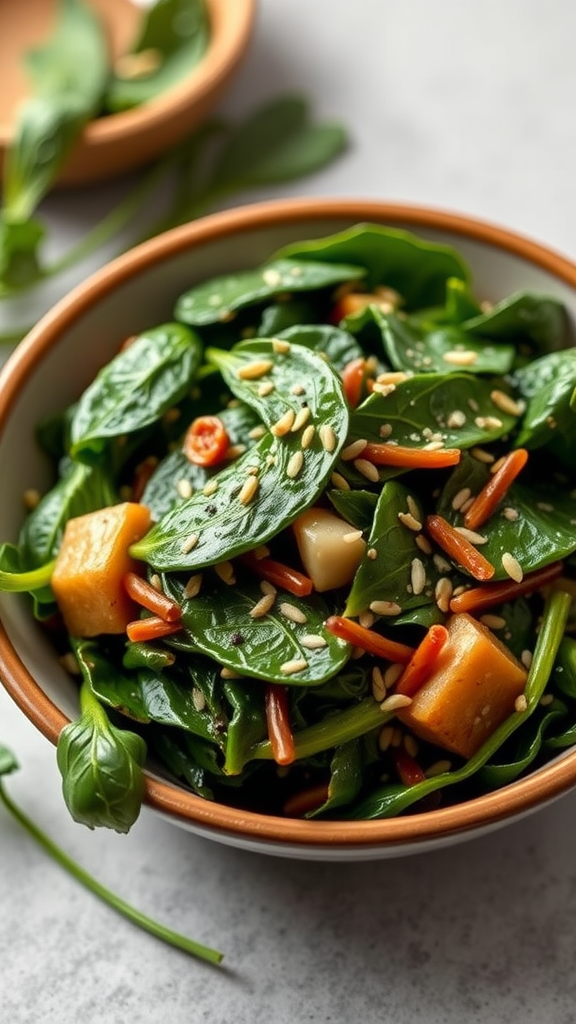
520, 797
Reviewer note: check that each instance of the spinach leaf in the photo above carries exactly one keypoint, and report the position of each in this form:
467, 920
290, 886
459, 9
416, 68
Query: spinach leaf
101, 765
513, 758
415, 268
346, 778
338, 345
135, 389
355, 506
69, 73
241, 514
548, 385
220, 297
173, 39
218, 623
523, 316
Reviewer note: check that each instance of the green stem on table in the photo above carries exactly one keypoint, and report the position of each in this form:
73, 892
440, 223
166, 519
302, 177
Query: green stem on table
114, 901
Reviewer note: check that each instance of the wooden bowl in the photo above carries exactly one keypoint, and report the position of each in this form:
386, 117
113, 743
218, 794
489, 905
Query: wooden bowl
119, 143
61, 355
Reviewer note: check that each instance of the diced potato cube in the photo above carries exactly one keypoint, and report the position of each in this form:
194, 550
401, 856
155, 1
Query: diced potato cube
329, 547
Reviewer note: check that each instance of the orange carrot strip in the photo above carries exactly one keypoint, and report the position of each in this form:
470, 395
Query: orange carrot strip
278, 721
494, 490
478, 598
151, 628
279, 575
299, 804
368, 639
411, 458
422, 661
352, 380
459, 548
154, 600
407, 767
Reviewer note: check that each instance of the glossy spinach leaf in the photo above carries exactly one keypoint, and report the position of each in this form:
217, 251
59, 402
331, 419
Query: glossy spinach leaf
355, 506
218, 623
414, 267
220, 297
542, 527
288, 311
247, 725
337, 344
523, 316
69, 73
135, 389
410, 347
174, 38
346, 778
548, 385
388, 576
278, 464
521, 751
565, 668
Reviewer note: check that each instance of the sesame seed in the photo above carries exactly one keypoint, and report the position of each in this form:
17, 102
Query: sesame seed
265, 388
392, 377
353, 450
506, 404
262, 551
471, 535
307, 435
284, 424
327, 437
493, 621
271, 277
225, 571
408, 520
292, 612
546, 700
397, 736
156, 582
210, 488
385, 608
392, 675
488, 423
298, 389
438, 768
339, 482
521, 704
301, 418
192, 588
289, 668
385, 737
367, 469
257, 432
372, 554
385, 430
352, 537
31, 498
460, 498
70, 664
417, 576
443, 593
234, 450
198, 699
526, 658
460, 357
433, 446
383, 389
280, 345
442, 564
263, 606
544, 506
295, 463
189, 543
248, 490
456, 419
313, 641
424, 544
396, 701
366, 619
411, 745
229, 673
378, 685
481, 455
268, 588
184, 488
512, 567
255, 369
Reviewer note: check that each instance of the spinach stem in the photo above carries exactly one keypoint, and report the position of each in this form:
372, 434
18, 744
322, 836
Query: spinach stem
116, 902
33, 579
332, 731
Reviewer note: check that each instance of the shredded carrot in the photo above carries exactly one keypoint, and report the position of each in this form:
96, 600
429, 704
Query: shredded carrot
459, 548
407, 767
299, 804
151, 628
142, 474
422, 661
154, 600
352, 380
279, 575
478, 598
411, 458
368, 639
495, 489
278, 721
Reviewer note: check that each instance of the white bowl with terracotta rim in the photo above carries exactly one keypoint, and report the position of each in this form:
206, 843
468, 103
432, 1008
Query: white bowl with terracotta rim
119, 143
61, 355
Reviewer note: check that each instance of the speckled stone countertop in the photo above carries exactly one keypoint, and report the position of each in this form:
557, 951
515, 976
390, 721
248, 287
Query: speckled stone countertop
462, 106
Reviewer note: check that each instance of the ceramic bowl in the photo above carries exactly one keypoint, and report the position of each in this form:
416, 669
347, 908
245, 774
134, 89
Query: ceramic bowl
119, 143
58, 359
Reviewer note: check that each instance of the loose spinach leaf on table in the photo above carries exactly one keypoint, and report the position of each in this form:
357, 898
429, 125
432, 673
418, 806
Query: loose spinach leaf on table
229, 524
173, 39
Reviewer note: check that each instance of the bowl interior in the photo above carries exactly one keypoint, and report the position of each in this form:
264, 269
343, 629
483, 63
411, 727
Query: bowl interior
61, 356
120, 142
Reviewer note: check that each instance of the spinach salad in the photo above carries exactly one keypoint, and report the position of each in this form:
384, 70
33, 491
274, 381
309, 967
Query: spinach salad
311, 544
